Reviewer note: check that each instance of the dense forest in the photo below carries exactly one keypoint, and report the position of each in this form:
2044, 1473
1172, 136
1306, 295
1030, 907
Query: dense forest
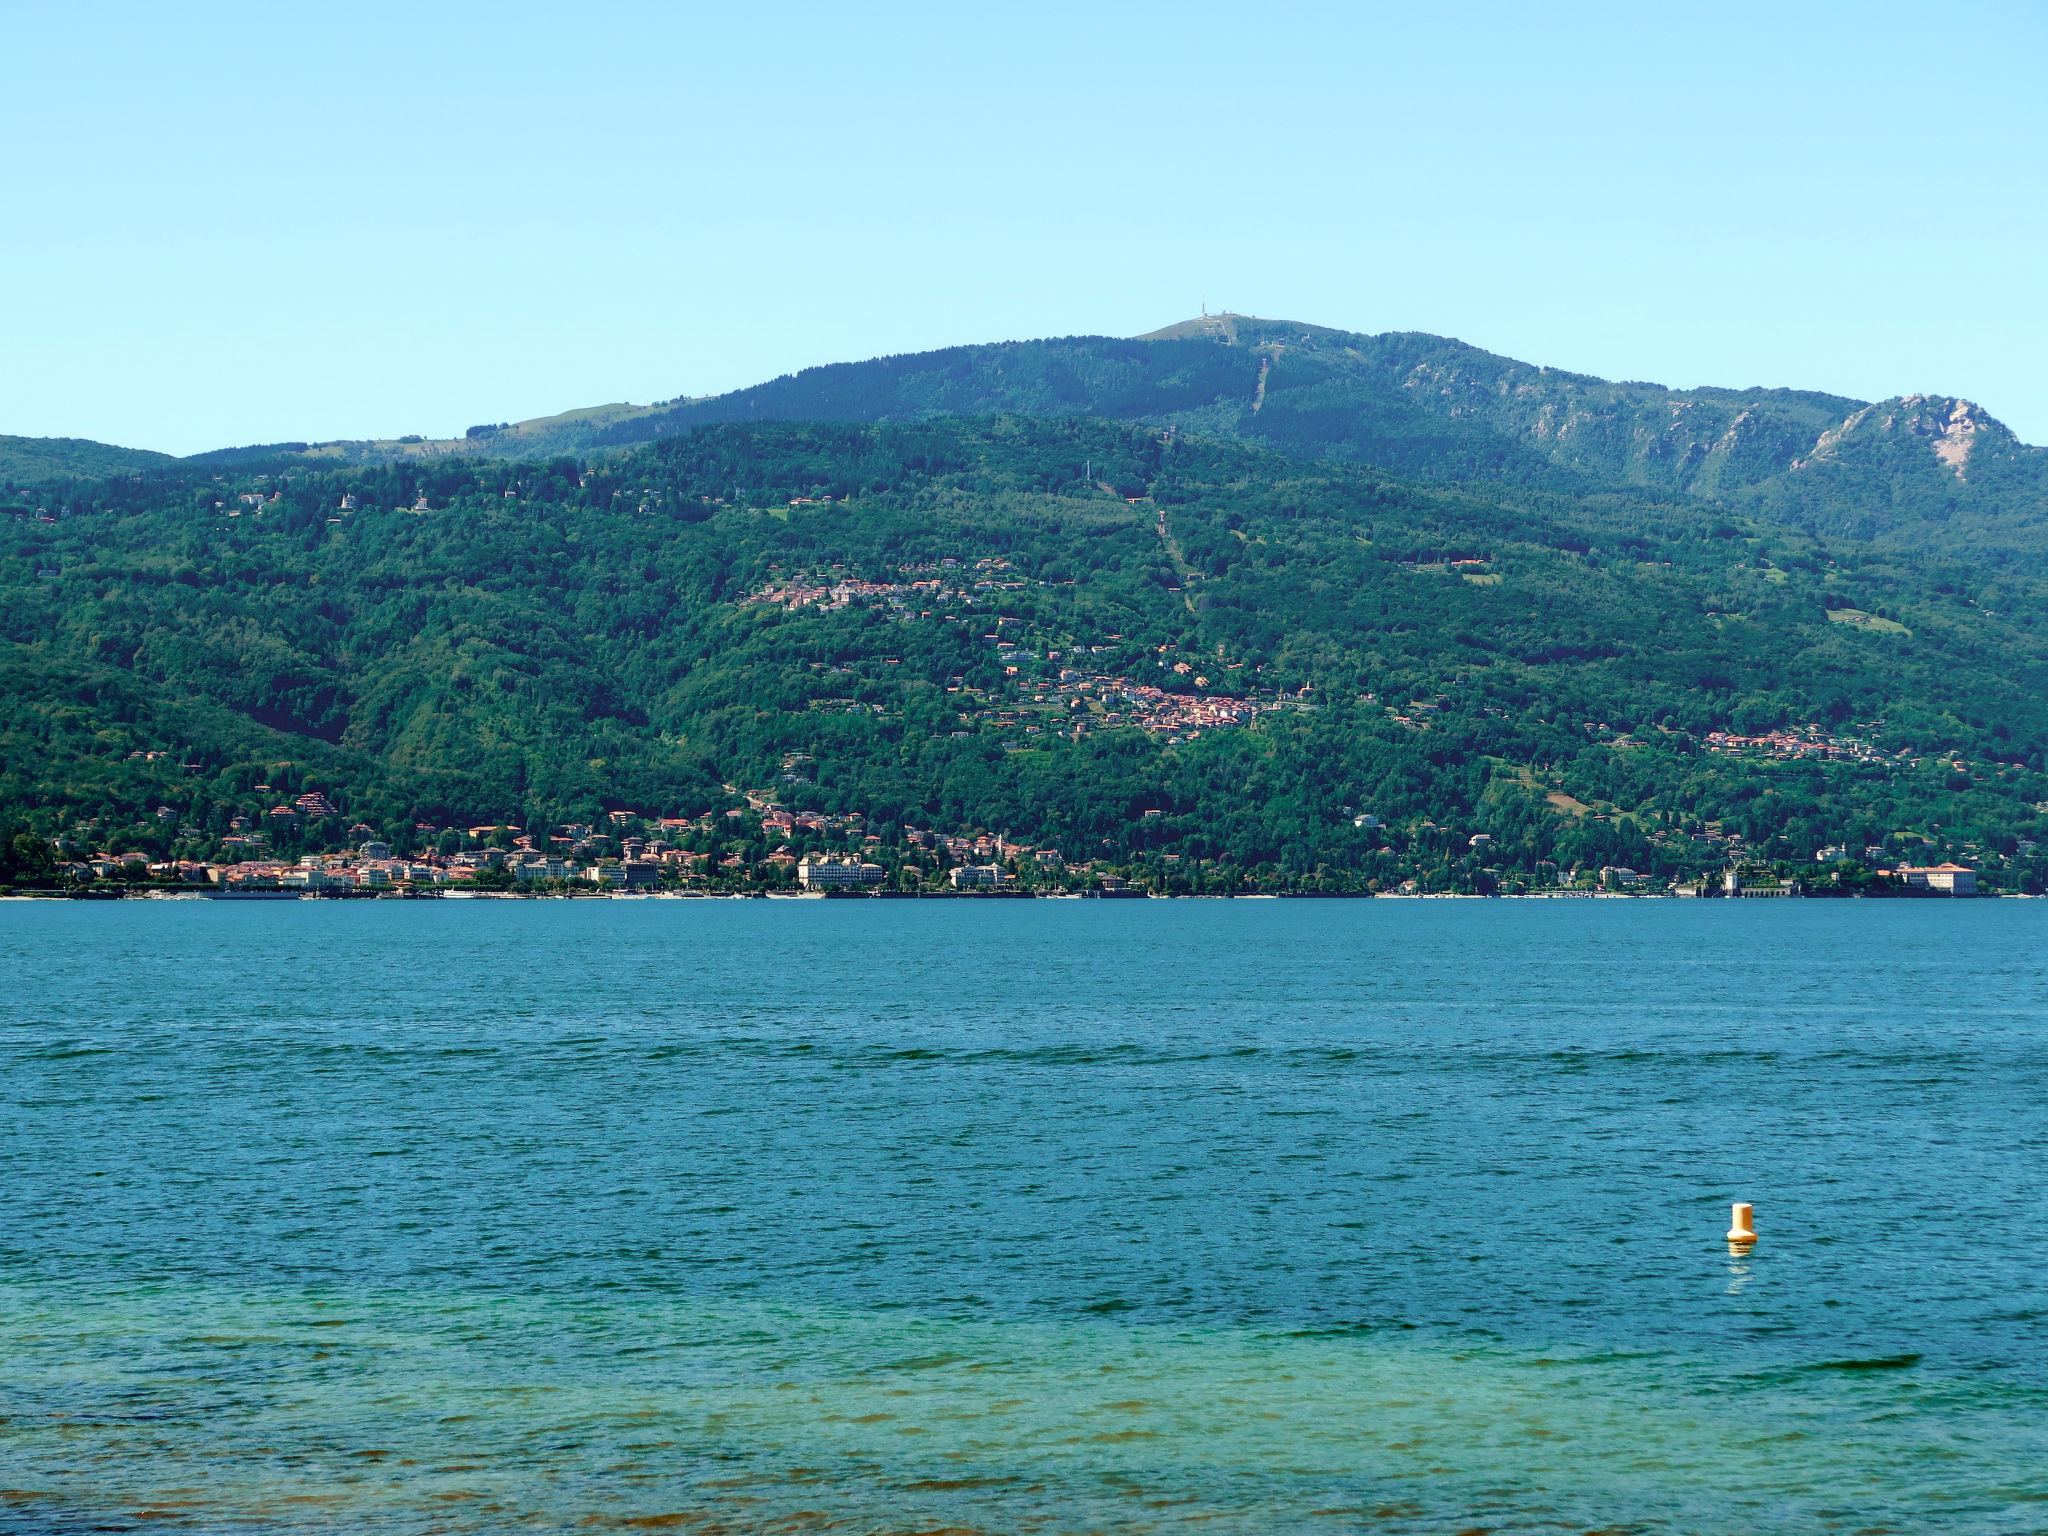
1134, 643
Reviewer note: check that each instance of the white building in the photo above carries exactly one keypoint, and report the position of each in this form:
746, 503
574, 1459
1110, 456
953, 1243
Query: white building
816, 872
1732, 884
1952, 879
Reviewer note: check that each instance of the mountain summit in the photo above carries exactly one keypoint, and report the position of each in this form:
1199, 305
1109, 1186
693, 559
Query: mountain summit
1914, 470
1715, 443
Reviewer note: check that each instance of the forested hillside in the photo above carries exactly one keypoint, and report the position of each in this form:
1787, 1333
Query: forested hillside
30, 460
1161, 652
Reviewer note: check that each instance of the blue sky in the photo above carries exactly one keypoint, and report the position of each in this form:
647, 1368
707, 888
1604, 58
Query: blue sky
235, 224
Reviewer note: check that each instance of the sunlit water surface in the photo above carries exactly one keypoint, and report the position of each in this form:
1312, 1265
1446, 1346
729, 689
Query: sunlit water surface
1056, 1216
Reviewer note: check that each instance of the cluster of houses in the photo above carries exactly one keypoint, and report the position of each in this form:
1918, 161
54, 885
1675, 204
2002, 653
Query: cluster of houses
371, 868
1177, 716
966, 864
1810, 741
1074, 700
933, 585
763, 843
1946, 879
632, 852
1045, 689
372, 865
970, 863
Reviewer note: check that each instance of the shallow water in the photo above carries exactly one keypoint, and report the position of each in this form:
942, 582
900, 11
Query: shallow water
1241, 1217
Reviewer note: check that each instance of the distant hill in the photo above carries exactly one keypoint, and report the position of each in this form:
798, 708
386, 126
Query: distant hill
25, 460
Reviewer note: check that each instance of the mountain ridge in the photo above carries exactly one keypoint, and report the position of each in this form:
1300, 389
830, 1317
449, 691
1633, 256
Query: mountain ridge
1219, 327
1913, 469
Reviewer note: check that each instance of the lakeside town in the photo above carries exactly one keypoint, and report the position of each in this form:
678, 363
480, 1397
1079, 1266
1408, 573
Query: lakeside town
1024, 673
292, 838
760, 846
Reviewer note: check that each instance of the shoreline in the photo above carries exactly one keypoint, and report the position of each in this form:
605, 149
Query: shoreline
165, 894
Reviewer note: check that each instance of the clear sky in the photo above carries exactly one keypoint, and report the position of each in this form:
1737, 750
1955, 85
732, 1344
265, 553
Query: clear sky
232, 224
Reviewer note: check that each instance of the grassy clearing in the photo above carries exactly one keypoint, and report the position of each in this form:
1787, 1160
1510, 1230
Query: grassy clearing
1858, 619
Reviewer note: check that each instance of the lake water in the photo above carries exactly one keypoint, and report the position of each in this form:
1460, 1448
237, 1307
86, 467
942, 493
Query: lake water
1051, 1216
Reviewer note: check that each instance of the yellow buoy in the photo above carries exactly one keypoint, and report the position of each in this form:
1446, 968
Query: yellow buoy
1741, 1226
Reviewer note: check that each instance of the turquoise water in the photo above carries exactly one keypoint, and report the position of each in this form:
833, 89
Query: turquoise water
1053, 1216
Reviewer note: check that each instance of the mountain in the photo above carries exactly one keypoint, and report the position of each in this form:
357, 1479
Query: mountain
1917, 472
1196, 660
